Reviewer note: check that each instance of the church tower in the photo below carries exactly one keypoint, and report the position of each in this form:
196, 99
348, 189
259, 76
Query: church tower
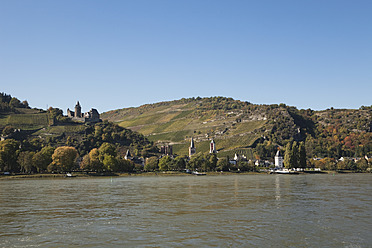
78, 110
212, 147
192, 149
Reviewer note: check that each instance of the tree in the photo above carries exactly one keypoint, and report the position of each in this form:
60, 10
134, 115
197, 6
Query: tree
346, 165
25, 104
85, 163
15, 103
196, 162
110, 163
213, 161
125, 165
107, 148
94, 159
151, 164
223, 164
210, 162
179, 163
296, 155
362, 165
91, 161
325, 164
302, 155
25, 161
43, 158
165, 163
64, 158
8, 130
55, 112
288, 156
9, 150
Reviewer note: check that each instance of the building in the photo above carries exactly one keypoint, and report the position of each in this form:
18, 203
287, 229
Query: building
128, 156
134, 159
166, 150
212, 147
278, 160
92, 116
192, 149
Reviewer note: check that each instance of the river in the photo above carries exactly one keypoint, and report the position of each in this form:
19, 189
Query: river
188, 211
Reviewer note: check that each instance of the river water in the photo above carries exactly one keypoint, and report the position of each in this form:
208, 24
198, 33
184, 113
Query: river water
188, 211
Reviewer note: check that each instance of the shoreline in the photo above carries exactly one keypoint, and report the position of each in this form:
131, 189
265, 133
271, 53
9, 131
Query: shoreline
82, 175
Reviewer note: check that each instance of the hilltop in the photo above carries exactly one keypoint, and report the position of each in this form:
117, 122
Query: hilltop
38, 128
246, 128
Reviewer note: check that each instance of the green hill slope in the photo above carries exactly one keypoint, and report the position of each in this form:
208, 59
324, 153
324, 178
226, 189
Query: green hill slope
36, 128
238, 127
234, 125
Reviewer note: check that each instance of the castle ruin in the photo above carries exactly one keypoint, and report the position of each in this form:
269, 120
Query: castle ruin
91, 117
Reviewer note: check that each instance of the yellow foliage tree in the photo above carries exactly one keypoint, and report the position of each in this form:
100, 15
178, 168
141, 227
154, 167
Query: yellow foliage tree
64, 159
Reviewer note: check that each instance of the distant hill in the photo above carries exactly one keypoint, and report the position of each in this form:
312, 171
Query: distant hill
36, 128
245, 128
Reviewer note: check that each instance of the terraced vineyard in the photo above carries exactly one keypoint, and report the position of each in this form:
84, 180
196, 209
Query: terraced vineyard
26, 119
176, 122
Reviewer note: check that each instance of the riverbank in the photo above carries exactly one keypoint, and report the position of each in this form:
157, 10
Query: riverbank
143, 174
95, 175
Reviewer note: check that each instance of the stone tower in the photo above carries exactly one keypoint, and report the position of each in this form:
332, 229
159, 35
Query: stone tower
78, 110
192, 149
212, 148
278, 160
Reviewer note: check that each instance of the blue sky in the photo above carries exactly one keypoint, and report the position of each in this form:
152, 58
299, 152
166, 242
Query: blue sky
116, 54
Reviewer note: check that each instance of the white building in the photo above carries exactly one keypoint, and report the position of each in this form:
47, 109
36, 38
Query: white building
278, 160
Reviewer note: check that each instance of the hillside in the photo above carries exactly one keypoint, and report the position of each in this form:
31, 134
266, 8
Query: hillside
239, 127
37, 128
176, 122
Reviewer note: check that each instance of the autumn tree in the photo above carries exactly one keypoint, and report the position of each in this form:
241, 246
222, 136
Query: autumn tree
91, 161
64, 159
362, 165
43, 158
9, 150
85, 163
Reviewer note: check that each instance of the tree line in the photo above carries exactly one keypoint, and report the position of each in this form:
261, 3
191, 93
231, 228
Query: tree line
62, 159
9, 103
198, 162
